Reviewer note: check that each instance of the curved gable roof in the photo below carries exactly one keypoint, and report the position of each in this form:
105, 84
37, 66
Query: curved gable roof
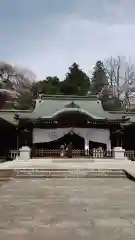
51, 106
74, 110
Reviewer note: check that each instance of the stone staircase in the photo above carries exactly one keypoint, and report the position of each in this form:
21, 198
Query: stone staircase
83, 160
68, 173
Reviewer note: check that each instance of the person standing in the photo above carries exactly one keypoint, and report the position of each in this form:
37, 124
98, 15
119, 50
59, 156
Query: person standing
62, 150
70, 150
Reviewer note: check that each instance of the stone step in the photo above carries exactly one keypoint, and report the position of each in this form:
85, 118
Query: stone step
97, 160
61, 173
68, 173
72, 160
74, 169
72, 176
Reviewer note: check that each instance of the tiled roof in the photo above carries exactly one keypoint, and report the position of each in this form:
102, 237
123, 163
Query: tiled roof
51, 106
47, 108
9, 115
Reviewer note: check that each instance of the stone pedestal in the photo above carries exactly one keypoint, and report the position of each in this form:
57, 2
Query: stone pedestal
24, 153
119, 153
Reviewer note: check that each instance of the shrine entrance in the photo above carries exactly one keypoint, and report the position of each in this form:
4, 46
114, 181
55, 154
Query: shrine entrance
53, 148
49, 142
76, 140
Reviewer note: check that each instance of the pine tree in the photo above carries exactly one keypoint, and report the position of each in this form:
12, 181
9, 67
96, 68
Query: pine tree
76, 82
99, 78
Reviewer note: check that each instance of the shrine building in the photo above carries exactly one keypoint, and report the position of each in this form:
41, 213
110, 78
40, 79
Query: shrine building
58, 120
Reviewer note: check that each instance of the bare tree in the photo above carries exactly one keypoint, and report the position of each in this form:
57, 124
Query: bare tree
23, 78
15, 78
14, 81
121, 74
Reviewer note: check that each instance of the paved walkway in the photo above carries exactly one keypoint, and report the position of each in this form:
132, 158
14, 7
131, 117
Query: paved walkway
96, 209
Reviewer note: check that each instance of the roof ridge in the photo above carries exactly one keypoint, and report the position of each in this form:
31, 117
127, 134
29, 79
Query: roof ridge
14, 110
68, 97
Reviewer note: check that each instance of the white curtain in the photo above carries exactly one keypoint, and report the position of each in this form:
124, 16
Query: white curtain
89, 134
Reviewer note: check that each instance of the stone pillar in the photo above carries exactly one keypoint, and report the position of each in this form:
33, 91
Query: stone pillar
86, 146
119, 153
24, 153
109, 145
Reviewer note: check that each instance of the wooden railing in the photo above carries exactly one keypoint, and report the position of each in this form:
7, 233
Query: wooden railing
13, 154
130, 154
47, 153
75, 153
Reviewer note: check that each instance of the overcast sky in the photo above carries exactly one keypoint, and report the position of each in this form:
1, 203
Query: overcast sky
47, 36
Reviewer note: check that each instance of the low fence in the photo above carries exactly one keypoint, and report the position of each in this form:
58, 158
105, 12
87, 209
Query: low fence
42, 153
57, 153
130, 154
13, 154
